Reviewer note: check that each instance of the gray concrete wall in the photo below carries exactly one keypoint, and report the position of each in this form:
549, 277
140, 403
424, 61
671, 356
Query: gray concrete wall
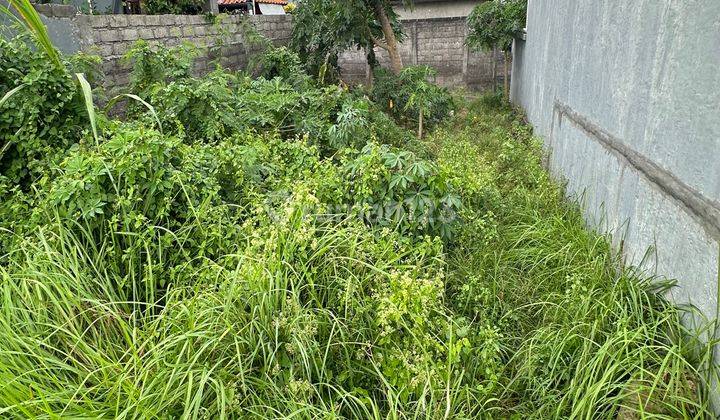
626, 96
110, 36
434, 9
438, 43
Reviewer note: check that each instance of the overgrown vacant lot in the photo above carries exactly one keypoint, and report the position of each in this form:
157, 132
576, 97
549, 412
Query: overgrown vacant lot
240, 247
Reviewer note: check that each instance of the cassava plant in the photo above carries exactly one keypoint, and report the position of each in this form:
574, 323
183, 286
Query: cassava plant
325, 28
245, 247
411, 97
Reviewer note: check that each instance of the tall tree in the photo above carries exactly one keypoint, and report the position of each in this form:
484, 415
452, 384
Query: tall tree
494, 24
325, 28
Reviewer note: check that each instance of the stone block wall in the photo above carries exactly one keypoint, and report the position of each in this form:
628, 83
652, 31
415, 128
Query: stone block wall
438, 43
111, 36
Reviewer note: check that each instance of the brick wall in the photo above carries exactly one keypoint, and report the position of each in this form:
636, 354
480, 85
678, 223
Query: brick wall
110, 37
438, 43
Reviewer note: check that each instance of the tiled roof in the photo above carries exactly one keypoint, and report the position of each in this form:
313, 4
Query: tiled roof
280, 2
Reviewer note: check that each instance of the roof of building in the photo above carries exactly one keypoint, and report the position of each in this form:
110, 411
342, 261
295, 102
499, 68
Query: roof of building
234, 2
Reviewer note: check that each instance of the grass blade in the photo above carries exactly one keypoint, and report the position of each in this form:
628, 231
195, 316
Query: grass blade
35, 25
4, 99
87, 94
139, 99
10, 93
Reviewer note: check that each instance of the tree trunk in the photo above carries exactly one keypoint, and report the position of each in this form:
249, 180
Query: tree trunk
392, 46
506, 85
494, 70
420, 125
371, 64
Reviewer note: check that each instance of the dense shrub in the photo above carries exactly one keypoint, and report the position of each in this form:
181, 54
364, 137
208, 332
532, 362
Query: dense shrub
406, 95
282, 98
261, 253
172, 7
393, 188
40, 120
152, 64
283, 63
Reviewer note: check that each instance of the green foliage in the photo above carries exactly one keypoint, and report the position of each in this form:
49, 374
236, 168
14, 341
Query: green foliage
266, 255
322, 29
406, 95
152, 65
494, 23
393, 188
173, 7
41, 120
213, 107
578, 335
283, 63
202, 109
33, 23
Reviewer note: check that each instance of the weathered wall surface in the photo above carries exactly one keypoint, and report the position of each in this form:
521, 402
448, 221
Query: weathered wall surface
627, 98
110, 36
438, 43
428, 9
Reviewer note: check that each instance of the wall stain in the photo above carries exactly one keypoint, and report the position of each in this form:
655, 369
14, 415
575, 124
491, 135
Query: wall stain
699, 207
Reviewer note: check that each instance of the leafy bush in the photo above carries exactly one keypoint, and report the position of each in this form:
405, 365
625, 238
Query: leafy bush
261, 254
407, 95
220, 104
283, 63
152, 65
200, 109
392, 188
173, 7
40, 120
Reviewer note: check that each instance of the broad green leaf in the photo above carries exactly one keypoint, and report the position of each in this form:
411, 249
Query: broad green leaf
34, 24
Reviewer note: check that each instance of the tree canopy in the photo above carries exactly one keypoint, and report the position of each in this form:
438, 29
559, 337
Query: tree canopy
494, 24
325, 28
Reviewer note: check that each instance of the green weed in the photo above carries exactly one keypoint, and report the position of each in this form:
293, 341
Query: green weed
259, 248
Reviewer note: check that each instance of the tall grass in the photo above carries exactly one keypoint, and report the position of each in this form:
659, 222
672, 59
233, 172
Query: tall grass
171, 303
286, 324
34, 24
583, 335
259, 340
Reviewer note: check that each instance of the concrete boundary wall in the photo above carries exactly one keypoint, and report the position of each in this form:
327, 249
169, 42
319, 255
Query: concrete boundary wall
626, 96
438, 43
111, 36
